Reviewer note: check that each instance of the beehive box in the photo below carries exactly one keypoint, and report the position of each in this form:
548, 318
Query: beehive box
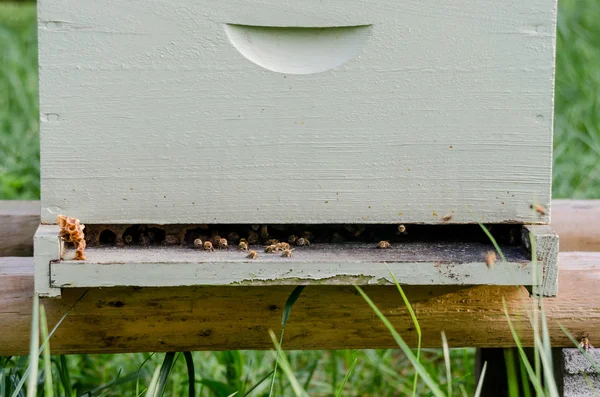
288, 112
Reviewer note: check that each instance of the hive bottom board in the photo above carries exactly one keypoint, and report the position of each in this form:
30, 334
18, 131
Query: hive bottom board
412, 263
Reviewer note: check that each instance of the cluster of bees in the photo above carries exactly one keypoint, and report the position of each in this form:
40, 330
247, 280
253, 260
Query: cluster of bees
71, 231
243, 244
204, 237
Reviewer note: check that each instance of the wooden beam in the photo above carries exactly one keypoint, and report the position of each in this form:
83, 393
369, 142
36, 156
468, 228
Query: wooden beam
325, 317
18, 223
577, 222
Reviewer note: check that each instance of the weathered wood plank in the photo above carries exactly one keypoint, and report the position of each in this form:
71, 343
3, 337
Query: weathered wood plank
546, 247
325, 317
18, 222
577, 222
430, 118
422, 263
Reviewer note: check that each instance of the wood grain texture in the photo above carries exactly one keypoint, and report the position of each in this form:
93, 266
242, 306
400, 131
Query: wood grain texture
577, 222
18, 220
446, 109
325, 317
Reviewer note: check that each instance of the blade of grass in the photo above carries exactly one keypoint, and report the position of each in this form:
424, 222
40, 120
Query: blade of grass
137, 382
407, 351
511, 373
65, 377
311, 372
33, 349
348, 374
163, 375
530, 372
447, 361
264, 378
41, 349
481, 378
493, 240
524, 379
151, 392
285, 367
334, 370
286, 314
48, 387
413, 317
546, 367
189, 362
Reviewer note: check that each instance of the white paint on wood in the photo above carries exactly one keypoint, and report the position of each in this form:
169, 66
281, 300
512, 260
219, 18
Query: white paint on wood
298, 50
47, 247
547, 247
68, 274
412, 264
149, 113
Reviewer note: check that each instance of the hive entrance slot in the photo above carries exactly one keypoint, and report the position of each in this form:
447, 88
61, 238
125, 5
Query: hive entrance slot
185, 234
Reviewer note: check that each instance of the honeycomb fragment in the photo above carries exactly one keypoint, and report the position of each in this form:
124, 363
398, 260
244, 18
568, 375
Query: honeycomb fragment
71, 231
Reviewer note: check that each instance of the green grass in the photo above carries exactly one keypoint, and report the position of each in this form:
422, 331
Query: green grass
19, 126
577, 101
376, 372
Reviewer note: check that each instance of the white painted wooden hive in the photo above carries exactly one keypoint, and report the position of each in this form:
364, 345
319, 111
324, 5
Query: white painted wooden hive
286, 112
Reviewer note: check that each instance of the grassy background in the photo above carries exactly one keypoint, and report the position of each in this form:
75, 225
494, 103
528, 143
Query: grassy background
378, 372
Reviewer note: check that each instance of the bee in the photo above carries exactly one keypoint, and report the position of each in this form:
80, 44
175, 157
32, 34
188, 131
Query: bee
292, 239
216, 239
490, 259
223, 244
585, 344
171, 239
252, 255
243, 246
271, 241
402, 229
271, 248
356, 230
252, 237
264, 232
233, 237
302, 241
198, 243
308, 235
383, 244
208, 246
287, 253
128, 239
283, 246
447, 218
255, 227
144, 240
538, 208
